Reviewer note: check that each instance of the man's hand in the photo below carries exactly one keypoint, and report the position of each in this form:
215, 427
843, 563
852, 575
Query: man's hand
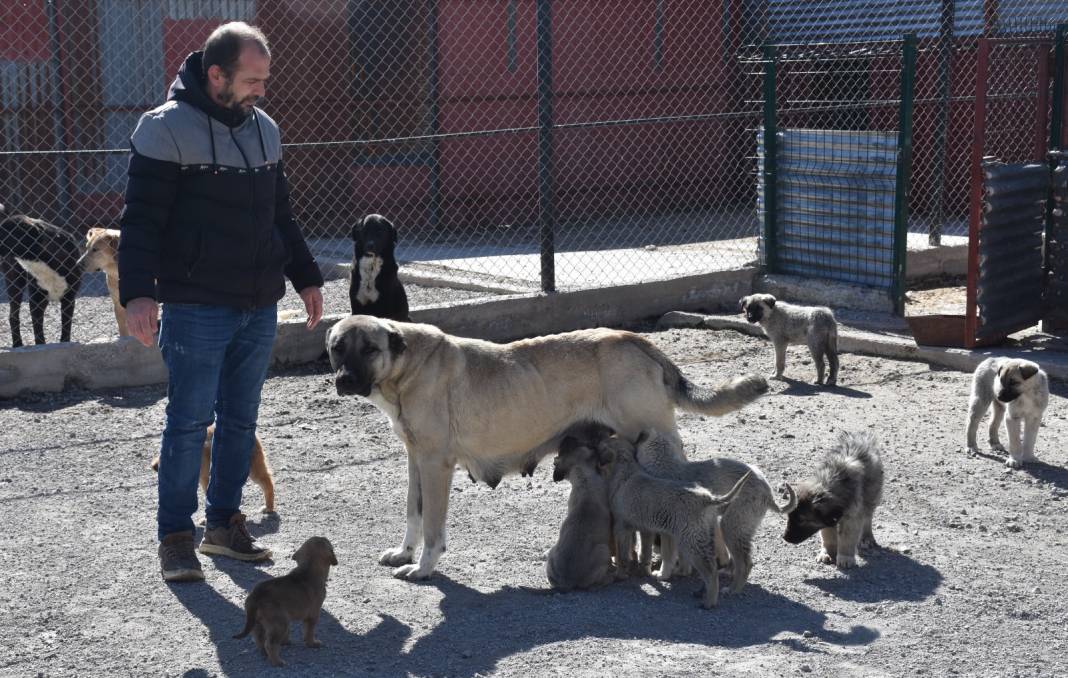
313, 304
142, 319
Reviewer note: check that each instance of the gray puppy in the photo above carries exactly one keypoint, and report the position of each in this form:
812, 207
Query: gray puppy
787, 324
685, 511
662, 456
298, 596
582, 556
839, 501
1022, 388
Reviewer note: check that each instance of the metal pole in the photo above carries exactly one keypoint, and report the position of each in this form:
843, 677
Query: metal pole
58, 128
1042, 102
975, 206
771, 164
1056, 124
945, 68
434, 206
546, 215
904, 167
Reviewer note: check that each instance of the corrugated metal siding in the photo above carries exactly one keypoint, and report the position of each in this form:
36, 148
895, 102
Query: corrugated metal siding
25, 84
1009, 286
835, 204
865, 20
1031, 15
230, 10
131, 52
870, 20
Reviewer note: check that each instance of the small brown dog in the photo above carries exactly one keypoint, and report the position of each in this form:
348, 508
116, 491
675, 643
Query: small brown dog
259, 472
102, 254
298, 596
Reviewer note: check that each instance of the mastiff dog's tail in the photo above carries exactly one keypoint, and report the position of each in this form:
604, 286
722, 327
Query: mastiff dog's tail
731, 395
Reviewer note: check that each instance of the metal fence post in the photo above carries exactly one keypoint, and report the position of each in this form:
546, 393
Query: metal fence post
433, 94
59, 127
546, 216
904, 166
975, 199
771, 162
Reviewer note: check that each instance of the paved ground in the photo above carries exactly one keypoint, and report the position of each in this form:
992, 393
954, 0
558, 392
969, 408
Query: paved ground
971, 582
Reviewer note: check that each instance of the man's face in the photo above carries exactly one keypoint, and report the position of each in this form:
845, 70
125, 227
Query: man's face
246, 86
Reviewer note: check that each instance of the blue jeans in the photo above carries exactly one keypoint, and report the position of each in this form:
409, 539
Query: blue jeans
217, 359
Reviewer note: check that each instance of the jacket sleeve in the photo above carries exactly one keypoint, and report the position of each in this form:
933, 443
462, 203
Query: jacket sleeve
302, 270
151, 185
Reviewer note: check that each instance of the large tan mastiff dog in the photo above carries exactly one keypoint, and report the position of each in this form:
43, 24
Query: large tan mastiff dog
498, 408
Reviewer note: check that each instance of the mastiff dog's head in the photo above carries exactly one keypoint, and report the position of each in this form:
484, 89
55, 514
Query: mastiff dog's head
757, 307
1014, 378
363, 350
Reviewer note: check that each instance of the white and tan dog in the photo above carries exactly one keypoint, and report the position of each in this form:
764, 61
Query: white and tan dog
102, 254
1021, 388
499, 408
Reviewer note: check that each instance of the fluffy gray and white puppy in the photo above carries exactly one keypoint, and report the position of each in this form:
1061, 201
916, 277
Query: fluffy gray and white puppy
787, 324
838, 502
661, 455
1019, 387
685, 511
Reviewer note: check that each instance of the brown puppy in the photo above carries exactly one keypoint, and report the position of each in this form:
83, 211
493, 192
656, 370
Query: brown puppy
259, 472
582, 556
298, 596
102, 254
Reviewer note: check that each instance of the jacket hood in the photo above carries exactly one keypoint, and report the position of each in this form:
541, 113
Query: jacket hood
188, 86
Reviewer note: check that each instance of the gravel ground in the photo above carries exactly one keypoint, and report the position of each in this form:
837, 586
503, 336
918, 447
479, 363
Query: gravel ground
94, 318
971, 581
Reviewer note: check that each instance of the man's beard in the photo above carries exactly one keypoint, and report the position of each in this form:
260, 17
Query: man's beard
240, 106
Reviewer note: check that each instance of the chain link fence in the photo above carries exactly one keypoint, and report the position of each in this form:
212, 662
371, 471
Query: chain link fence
523, 144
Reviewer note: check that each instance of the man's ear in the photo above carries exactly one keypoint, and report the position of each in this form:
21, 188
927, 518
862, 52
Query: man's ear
396, 343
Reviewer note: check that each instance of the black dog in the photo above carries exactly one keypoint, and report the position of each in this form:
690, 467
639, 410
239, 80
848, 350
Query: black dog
45, 258
374, 288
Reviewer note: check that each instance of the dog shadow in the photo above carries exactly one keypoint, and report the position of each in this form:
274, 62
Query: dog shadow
1047, 473
240, 656
1056, 476
479, 629
885, 575
796, 387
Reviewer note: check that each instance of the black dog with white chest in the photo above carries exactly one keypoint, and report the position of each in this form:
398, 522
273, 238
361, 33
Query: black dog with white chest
374, 288
47, 260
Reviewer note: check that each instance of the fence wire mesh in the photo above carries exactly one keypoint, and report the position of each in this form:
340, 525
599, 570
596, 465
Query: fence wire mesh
615, 140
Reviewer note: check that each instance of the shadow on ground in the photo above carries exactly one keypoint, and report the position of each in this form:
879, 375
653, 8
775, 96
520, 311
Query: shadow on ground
343, 652
883, 575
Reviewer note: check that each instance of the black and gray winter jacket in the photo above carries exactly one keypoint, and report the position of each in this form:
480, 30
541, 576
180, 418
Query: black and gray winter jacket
207, 217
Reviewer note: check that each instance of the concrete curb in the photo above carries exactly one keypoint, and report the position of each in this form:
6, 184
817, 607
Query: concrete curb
869, 343
125, 362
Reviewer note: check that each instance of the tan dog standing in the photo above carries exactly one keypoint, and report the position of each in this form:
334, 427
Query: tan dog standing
298, 596
259, 472
582, 556
498, 408
101, 254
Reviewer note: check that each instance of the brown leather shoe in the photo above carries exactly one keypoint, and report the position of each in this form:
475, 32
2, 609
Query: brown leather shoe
178, 559
233, 541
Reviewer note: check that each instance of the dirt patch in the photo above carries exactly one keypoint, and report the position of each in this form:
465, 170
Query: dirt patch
971, 581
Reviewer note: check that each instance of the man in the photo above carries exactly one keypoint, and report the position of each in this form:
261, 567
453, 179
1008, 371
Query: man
208, 231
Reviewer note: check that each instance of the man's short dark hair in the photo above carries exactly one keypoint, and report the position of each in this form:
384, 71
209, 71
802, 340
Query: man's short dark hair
223, 47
